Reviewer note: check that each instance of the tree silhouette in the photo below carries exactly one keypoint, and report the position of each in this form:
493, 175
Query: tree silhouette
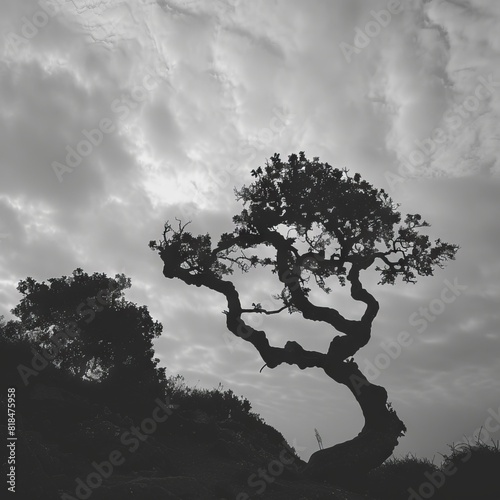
88, 328
325, 225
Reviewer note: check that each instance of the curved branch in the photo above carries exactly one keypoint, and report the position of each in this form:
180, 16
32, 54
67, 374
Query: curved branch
361, 294
292, 353
289, 270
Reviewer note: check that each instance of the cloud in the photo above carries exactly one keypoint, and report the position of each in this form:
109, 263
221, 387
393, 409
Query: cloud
198, 94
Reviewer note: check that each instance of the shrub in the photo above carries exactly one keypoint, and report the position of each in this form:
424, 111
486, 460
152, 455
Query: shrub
477, 468
393, 479
217, 402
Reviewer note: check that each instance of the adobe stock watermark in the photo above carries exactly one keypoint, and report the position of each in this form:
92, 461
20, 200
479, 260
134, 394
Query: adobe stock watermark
41, 359
121, 108
420, 320
437, 479
456, 120
131, 438
363, 36
30, 26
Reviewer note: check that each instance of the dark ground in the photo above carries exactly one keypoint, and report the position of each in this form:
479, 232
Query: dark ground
190, 456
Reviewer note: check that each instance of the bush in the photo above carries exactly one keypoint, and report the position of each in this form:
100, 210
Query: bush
393, 479
476, 475
217, 402
467, 472
220, 404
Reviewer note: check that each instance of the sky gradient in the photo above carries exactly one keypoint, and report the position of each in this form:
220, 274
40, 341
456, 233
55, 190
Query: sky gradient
116, 116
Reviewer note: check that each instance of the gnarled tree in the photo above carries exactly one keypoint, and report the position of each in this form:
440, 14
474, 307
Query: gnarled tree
325, 225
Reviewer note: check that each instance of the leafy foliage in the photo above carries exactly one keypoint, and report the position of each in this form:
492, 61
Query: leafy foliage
218, 402
194, 253
85, 320
339, 216
222, 404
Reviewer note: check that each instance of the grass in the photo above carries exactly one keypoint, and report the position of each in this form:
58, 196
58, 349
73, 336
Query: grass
467, 472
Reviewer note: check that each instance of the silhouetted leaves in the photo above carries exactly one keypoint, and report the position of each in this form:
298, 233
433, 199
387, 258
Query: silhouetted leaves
86, 321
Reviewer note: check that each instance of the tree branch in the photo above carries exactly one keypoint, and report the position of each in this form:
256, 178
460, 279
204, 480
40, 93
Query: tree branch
292, 353
361, 294
265, 311
289, 273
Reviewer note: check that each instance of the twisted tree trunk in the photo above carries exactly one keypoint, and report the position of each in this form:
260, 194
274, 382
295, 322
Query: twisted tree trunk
345, 462
382, 429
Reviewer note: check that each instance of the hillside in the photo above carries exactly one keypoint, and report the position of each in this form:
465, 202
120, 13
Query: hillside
85, 440
68, 437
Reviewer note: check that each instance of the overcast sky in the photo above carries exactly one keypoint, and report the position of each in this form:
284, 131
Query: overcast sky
119, 115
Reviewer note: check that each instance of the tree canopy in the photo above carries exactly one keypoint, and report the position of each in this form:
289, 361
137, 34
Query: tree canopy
92, 331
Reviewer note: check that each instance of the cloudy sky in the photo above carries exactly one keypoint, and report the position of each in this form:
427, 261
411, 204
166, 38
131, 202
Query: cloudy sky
119, 115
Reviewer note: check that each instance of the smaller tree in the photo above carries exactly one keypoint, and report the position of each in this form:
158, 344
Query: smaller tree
92, 332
